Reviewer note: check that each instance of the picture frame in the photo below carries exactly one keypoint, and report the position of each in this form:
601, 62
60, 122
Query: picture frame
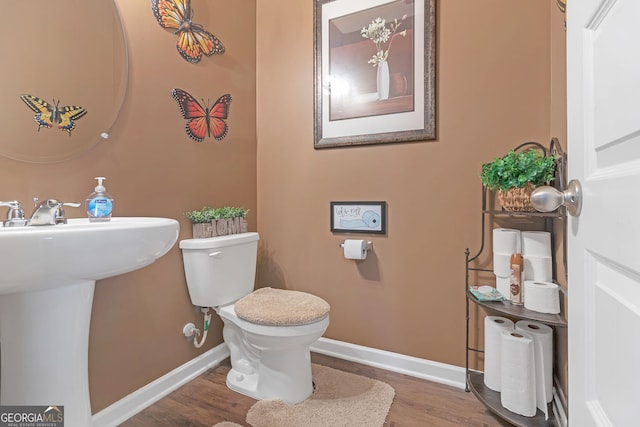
359, 217
374, 64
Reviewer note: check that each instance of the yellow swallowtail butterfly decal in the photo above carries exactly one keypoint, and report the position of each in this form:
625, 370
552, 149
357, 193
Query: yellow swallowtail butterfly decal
49, 114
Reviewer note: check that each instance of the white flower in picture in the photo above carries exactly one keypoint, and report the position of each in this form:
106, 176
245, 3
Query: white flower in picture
378, 32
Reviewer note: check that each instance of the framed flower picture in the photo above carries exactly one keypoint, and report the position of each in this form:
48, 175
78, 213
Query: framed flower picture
374, 71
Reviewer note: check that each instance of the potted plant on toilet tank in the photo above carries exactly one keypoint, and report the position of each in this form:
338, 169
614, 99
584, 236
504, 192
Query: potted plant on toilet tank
211, 222
515, 175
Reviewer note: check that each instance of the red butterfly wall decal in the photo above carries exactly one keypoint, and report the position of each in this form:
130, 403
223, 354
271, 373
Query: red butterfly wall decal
193, 40
203, 121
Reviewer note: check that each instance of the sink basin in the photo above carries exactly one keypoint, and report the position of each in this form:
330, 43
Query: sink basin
42, 257
46, 295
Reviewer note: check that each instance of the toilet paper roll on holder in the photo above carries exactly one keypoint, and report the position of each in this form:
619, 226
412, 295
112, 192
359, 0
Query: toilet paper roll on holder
368, 247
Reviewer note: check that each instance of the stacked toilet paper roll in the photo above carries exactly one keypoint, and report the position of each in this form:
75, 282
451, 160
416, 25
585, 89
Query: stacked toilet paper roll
502, 264
536, 248
538, 268
506, 241
493, 327
518, 377
543, 297
536, 242
542, 336
503, 285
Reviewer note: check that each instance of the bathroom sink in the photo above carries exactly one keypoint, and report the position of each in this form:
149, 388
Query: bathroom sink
42, 257
46, 295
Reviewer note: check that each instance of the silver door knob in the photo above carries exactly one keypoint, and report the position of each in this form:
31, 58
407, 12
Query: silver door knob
547, 199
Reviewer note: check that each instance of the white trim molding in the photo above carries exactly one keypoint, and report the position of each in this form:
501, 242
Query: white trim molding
413, 366
146, 396
559, 408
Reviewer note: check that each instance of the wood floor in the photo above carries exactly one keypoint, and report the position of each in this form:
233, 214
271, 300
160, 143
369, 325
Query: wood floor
207, 400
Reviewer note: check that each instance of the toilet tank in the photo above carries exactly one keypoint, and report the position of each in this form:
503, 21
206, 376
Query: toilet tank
220, 270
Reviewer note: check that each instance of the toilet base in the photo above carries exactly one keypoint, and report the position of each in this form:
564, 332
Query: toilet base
270, 362
246, 384
281, 375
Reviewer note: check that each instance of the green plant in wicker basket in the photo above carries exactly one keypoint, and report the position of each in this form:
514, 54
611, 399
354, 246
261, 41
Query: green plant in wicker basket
229, 212
211, 222
207, 214
515, 176
201, 216
515, 170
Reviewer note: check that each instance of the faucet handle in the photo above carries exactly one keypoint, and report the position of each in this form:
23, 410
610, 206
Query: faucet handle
15, 214
11, 204
60, 215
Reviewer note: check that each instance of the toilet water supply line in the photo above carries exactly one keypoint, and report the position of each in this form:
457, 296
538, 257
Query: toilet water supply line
207, 321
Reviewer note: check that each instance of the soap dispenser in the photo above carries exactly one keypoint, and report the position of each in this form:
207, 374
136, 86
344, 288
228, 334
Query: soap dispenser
99, 204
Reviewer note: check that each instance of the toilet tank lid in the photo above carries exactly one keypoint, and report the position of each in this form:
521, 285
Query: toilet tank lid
219, 241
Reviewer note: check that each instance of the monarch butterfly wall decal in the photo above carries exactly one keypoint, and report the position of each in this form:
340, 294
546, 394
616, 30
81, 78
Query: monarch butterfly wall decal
48, 114
193, 39
203, 121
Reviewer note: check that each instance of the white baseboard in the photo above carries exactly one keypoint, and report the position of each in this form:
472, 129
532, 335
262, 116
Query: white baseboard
420, 368
413, 366
559, 410
140, 399
442, 373
135, 402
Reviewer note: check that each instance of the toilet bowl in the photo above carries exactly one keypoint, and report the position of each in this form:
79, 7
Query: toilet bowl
270, 362
268, 331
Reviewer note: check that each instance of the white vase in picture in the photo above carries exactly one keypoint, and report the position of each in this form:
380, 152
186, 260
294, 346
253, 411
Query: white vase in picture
383, 80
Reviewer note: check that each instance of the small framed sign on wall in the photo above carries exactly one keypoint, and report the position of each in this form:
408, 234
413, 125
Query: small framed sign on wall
359, 217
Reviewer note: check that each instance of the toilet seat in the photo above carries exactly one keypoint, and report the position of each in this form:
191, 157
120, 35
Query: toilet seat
281, 307
228, 312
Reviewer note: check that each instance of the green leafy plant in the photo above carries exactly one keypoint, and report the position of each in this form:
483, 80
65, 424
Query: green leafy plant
201, 216
515, 170
229, 212
207, 214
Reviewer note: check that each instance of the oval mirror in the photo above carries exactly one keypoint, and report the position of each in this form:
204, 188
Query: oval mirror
64, 77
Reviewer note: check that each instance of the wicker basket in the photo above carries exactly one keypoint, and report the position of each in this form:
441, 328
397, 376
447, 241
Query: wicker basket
517, 199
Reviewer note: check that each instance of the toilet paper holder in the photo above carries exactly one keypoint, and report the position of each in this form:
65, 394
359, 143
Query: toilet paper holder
368, 247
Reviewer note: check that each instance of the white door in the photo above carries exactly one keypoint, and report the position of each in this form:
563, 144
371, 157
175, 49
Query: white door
603, 95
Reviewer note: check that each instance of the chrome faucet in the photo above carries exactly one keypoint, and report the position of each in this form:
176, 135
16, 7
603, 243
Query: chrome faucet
50, 212
15, 215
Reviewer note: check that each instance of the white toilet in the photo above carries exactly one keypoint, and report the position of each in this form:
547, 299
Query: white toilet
268, 331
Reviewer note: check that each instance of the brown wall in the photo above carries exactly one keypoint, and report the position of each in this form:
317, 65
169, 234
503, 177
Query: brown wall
493, 92
154, 169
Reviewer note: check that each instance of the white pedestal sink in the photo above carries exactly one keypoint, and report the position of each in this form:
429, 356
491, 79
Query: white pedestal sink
46, 294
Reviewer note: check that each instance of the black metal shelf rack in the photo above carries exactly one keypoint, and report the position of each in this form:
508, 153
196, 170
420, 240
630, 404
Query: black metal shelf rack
474, 378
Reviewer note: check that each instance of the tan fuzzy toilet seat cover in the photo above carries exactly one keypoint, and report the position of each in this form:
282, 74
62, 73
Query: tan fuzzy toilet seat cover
280, 307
